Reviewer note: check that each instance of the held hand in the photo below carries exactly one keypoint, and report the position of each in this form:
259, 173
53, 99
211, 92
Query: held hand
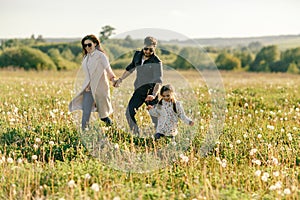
150, 98
113, 80
149, 107
191, 123
117, 83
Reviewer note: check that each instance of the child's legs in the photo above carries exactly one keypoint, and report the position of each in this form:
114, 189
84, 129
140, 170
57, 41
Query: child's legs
158, 135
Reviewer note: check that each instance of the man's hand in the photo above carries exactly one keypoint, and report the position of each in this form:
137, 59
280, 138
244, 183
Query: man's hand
150, 98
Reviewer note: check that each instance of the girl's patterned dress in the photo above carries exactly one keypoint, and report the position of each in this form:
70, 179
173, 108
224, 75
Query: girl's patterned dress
167, 118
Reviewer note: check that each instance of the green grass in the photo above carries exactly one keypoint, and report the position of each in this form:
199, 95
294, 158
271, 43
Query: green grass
256, 157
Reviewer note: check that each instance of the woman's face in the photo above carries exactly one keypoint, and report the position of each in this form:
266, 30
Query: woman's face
89, 46
167, 95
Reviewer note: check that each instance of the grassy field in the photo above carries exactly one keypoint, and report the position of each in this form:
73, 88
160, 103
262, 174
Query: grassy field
257, 156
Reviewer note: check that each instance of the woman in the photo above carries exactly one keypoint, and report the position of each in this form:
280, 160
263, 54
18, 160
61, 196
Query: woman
95, 93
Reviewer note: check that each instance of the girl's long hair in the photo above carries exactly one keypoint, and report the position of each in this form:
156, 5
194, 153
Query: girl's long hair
95, 40
170, 88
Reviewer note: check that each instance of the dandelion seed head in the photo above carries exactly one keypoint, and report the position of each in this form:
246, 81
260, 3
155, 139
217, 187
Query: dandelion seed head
259, 136
257, 173
287, 191
20, 160
224, 164
253, 151
270, 127
95, 187
87, 176
10, 160
275, 161
276, 173
264, 179
184, 158
71, 184
278, 184
38, 140
272, 187
266, 174
258, 162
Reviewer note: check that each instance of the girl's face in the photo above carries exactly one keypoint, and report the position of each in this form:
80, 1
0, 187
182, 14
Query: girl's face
167, 95
89, 46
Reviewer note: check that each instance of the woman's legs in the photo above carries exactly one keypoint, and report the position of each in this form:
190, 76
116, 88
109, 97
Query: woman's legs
86, 108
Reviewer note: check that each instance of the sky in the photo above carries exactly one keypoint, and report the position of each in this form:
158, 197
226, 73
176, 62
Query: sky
175, 18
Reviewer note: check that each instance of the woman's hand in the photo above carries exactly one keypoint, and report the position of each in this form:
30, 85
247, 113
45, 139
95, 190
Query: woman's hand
88, 88
117, 83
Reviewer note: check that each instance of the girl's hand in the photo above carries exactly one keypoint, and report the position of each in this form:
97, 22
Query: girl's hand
191, 123
149, 107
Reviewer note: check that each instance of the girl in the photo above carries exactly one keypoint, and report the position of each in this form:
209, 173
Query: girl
168, 111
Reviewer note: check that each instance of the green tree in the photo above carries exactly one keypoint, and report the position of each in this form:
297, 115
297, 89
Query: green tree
106, 32
190, 57
245, 57
67, 54
291, 56
266, 57
293, 69
61, 62
227, 61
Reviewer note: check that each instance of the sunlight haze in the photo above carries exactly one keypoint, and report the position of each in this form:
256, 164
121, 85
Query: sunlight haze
194, 18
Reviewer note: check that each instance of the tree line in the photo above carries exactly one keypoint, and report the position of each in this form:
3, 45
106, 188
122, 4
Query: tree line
37, 54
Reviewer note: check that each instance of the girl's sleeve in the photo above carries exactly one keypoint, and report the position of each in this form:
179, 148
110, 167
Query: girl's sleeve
181, 113
154, 112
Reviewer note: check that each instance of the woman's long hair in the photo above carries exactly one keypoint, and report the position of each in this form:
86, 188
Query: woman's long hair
95, 40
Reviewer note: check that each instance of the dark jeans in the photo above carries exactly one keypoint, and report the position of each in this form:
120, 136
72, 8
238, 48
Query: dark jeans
159, 135
136, 101
87, 105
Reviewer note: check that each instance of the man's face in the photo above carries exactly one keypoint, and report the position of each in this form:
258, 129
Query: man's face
148, 50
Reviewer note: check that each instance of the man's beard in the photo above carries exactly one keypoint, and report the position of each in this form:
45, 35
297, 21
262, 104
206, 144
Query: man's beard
147, 55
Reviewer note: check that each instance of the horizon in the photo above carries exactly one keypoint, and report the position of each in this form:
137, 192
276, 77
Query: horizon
207, 38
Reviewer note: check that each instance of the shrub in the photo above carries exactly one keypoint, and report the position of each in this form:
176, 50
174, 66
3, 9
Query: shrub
27, 58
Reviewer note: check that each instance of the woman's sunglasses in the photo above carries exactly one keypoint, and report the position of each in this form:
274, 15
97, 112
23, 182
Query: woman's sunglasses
150, 49
87, 45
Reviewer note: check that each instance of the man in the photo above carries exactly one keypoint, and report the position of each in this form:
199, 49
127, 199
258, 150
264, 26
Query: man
149, 73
